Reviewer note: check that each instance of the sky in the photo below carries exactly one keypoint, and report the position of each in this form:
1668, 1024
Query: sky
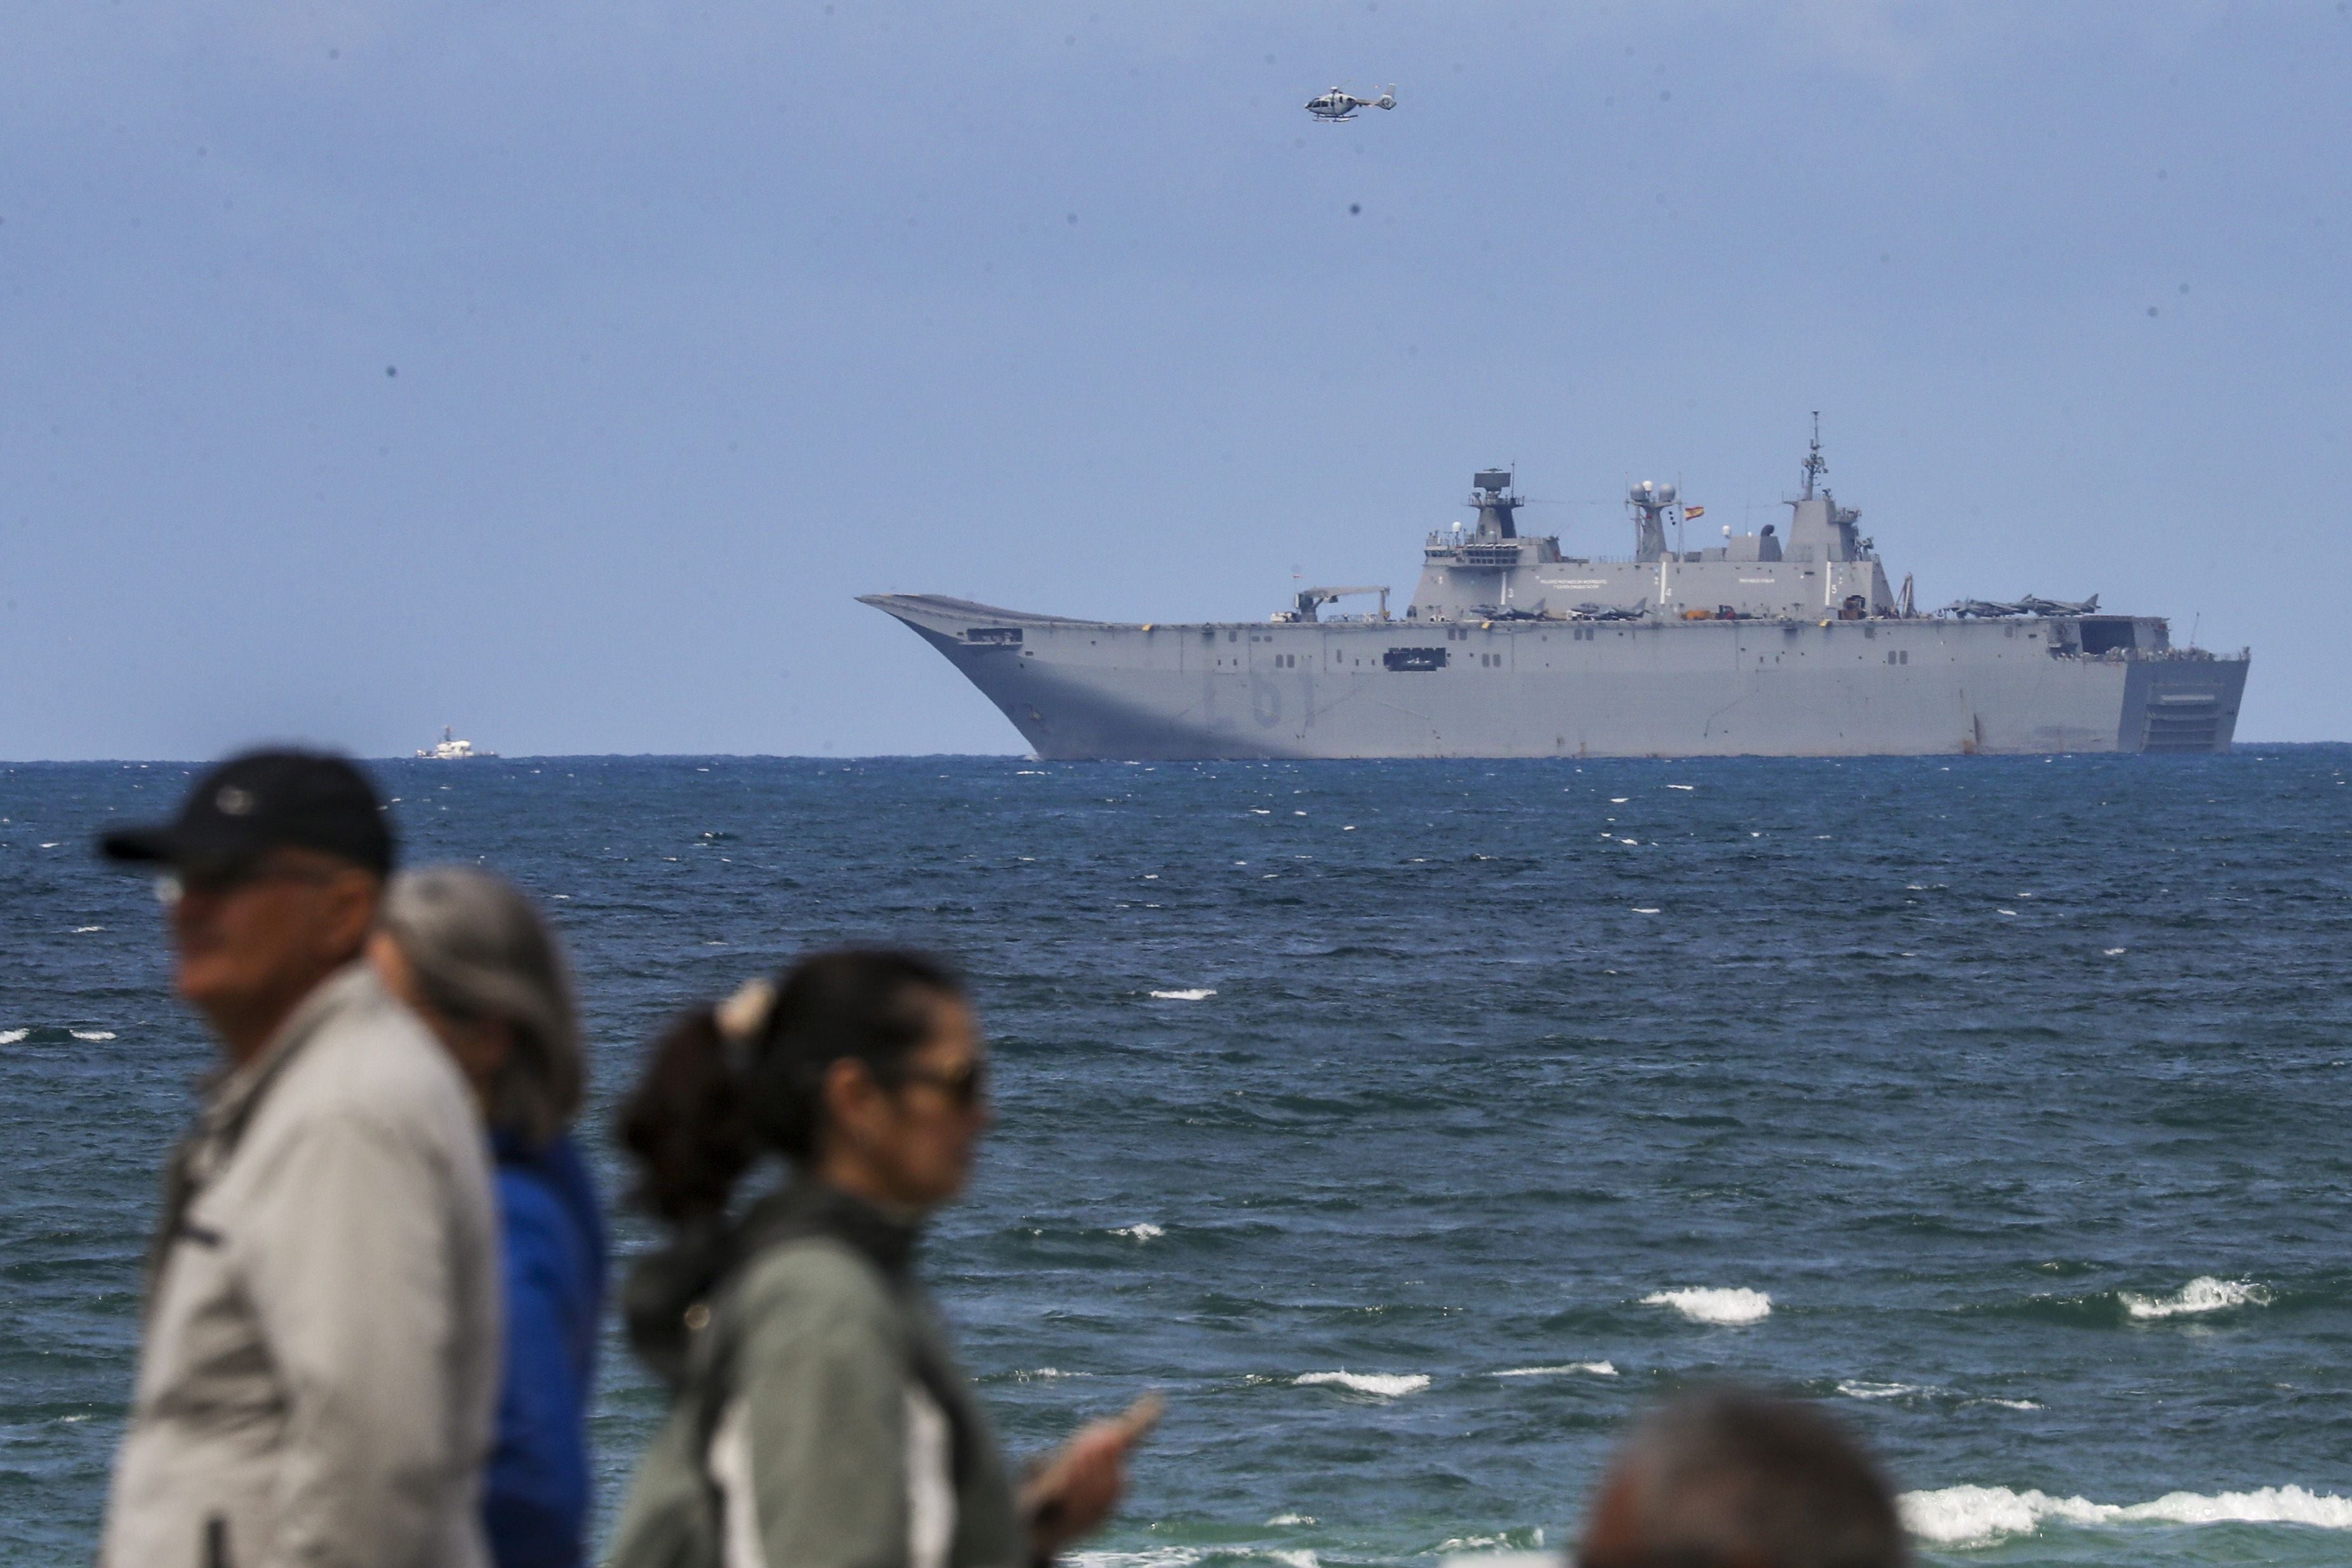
562, 373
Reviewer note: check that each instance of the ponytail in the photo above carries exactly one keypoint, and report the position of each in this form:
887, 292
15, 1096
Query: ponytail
688, 1122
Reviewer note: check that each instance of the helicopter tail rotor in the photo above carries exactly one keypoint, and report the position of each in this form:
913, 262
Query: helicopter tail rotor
1387, 99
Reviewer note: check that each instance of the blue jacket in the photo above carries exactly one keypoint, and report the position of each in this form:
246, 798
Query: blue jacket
535, 1493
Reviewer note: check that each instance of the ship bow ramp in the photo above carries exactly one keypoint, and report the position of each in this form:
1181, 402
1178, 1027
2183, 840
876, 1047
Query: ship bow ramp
1100, 690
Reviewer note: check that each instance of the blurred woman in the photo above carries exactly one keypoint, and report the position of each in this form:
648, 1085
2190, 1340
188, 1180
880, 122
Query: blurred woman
474, 958
820, 1418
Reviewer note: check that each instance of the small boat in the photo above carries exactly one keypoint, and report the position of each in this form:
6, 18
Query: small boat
451, 749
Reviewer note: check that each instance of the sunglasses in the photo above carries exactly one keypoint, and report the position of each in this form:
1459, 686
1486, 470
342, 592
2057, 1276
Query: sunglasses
964, 1087
217, 877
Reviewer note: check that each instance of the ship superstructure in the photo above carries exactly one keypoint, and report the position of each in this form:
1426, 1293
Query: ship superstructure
1823, 563
451, 748
1762, 643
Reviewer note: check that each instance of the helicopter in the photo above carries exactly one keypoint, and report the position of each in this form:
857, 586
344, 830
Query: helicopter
1340, 104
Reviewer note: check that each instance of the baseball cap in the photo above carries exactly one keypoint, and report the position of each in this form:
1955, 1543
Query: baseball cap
260, 800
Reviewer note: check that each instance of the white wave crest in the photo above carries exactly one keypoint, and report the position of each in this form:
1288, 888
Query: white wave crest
10, 1036
1143, 1231
1491, 1559
91, 1034
1732, 1306
1386, 1385
1182, 995
2202, 1294
2008, 1404
1046, 1374
1590, 1368
1954, 1515
1165, 1557
1292, 1519
1854, 1390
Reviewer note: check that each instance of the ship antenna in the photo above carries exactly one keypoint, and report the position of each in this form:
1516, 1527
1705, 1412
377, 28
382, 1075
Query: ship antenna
1815, 464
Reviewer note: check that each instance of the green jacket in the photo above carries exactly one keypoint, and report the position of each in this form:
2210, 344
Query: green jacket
821, 1421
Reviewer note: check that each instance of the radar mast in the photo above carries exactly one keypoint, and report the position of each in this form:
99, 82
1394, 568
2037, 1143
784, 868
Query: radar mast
1815, 464
1490, 492
1654, 505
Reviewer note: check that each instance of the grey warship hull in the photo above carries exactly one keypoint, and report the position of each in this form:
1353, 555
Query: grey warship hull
1539, 687
1764, 644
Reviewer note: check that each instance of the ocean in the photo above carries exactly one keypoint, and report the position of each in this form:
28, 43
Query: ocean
1416, 1126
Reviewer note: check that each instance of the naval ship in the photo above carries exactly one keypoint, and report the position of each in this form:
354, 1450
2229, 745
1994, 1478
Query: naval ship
1764, 644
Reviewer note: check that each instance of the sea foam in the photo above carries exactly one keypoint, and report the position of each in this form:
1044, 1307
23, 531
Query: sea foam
91, 1034
10, 1036
1185, 1556
1164, 1557
1590, 1368
1143, 1231
1485, 1557
1386, 1385
2202, 1294
1953, 1515
1735, 1305
1182, 995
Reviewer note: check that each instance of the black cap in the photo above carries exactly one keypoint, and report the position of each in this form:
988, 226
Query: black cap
261, 800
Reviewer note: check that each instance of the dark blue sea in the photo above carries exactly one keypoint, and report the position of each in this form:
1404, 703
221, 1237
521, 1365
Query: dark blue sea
1416, 1125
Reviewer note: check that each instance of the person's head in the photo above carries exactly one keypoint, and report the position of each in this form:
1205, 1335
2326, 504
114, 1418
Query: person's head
472, 956
273, 869
1731, 1479
864, 1068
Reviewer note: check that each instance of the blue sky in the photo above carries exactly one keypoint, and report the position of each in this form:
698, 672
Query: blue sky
706, 318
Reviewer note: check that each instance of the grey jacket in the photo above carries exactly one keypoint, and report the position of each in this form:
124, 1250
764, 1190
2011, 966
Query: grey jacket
823, 1423
321, 1365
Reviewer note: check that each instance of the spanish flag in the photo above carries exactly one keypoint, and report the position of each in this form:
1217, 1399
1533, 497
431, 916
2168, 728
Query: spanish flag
1691, 511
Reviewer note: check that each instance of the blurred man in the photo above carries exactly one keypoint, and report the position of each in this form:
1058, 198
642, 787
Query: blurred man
1729, 1480
319, 1364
